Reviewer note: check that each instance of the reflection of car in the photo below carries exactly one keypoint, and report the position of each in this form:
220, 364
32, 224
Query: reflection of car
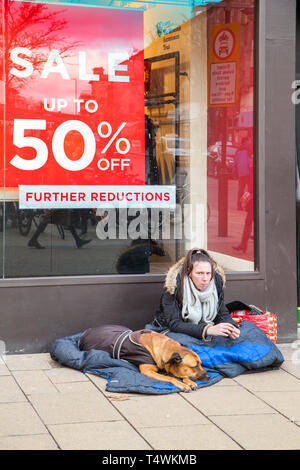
214, 159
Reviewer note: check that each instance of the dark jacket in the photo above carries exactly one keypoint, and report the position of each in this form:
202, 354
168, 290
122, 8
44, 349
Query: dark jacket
169, 314
119, 342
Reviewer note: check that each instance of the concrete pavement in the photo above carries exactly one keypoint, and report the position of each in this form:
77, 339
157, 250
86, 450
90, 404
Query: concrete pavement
46, 406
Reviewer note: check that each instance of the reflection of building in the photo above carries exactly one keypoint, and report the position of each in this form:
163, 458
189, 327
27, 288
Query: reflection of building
99, 88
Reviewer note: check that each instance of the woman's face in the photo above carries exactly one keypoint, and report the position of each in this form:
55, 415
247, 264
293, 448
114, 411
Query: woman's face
201, 274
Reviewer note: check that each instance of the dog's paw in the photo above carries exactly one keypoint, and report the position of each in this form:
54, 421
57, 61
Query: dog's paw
192, 385
183, 387
187, 390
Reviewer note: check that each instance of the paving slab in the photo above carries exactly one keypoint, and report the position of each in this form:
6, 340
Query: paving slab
71, 407
288, 349
19, 418
77, 387
225, 382
44, 405
261, 432
226, 401
188, 437
3, 369
65, 374
161, 410
9, 390
29, 361
292, 368
34, 381
118, 435
99, 382
287, 403
35, 442
274, 380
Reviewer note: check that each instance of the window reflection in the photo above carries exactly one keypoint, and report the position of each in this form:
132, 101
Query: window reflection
188, 114
230, 164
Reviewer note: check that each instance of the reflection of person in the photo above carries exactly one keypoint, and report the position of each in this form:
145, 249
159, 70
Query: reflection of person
242, 168
136, 258
193, 299
247, 205
84, 216
54, 218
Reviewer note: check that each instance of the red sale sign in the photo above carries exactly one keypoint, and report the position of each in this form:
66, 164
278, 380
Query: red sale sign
74, 96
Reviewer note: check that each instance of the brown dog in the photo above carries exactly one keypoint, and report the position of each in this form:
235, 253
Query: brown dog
149, 351
175, 359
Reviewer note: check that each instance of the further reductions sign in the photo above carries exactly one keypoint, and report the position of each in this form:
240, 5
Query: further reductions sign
74, 100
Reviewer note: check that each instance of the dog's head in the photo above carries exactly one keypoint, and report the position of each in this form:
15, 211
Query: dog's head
186, 364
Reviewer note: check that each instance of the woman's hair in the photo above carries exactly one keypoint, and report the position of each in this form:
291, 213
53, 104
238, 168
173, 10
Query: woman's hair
193, 256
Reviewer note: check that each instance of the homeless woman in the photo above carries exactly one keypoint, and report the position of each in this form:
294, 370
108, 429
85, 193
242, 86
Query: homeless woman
192, 301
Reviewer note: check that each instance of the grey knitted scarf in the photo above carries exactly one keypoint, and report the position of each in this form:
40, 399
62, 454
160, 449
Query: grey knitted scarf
202, 306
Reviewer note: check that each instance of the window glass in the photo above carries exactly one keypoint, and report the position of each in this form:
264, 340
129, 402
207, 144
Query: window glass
230, 162
127, 135
2, 104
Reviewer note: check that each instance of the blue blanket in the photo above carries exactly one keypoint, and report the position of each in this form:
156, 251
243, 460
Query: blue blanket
221, 357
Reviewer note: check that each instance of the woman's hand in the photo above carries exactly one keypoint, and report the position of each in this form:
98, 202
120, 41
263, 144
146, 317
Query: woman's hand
223, 329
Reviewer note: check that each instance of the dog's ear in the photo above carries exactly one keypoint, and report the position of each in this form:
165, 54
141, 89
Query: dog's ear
175, 359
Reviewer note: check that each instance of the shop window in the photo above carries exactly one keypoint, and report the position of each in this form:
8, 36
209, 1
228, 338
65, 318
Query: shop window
127, 135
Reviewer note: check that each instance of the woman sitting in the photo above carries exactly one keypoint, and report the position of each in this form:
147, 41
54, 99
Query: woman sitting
193, 299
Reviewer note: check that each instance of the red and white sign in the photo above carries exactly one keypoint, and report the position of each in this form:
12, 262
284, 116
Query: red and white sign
47, 197
74, 96
223, 64
224, 44
222, 83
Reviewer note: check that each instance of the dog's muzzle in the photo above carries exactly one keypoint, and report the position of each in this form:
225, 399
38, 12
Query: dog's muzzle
203, 377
